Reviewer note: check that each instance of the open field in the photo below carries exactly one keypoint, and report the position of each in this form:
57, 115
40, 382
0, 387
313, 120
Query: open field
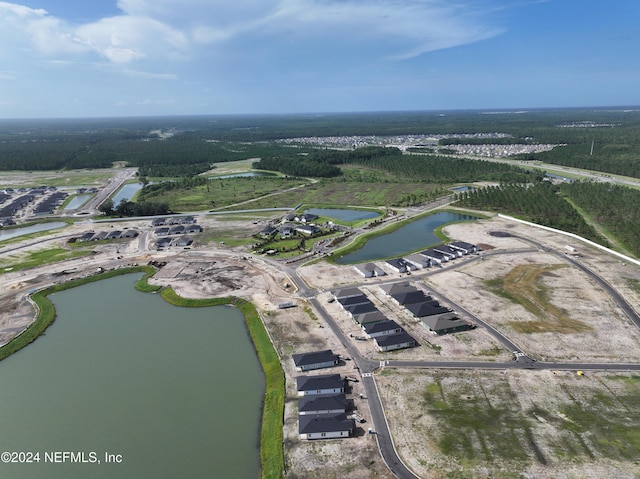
541, 424
67, 178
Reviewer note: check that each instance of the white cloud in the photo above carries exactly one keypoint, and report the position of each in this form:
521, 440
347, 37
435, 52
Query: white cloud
157, 30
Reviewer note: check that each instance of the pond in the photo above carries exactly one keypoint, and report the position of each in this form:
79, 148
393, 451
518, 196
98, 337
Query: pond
6, 234
411, 237
343, 214
77, 201
126, 192
177, 392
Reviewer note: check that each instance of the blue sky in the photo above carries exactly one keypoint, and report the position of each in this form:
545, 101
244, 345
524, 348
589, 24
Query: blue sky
93, 58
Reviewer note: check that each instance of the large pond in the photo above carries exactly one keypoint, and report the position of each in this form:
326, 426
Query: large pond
126, 192
177, 392
415, 235
342, 214
6, 234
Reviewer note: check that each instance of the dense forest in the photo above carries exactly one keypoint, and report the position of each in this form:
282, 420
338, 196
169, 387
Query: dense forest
182, 146
427, 168
539, 204
615, 207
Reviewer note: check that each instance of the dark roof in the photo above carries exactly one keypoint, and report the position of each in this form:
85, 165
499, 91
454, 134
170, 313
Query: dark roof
360, 308
393, 339
398, 263
370, 317
183, 241
448, 250
129, 234
325, 423
380, 327
440, 324
431, 253
350, 300
463, 245
311, 383
396, 288
346, 292
322, 402
315, 357
268, 230
426, 309
411, 297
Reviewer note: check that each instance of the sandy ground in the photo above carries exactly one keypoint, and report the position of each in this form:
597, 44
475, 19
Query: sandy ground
206, 271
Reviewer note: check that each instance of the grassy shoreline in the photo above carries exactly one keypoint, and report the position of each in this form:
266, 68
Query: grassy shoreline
362, 239
271, 448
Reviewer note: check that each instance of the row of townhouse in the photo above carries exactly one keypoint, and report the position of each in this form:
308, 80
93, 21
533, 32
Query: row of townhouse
175, 220
424, 259
178, 230
322, 400
386, 334
106, 235
438, 319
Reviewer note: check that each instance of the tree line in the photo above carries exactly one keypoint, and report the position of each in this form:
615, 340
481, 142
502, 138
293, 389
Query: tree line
539, 203
129, 208
615, 207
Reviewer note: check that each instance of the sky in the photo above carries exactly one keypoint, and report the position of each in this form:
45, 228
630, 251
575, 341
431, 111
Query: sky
106, 58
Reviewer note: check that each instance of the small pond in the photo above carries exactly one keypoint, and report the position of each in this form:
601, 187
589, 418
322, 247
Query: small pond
126, 192
77, 201
6, 234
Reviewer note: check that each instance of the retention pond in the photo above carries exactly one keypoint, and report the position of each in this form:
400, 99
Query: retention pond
410, 237
166, 391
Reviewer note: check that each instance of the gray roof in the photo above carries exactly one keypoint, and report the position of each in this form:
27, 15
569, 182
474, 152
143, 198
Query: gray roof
322, 402
432, 253
346, 292
397, 263
441, 324
411, 297
370, 317
350, 300
316, 357
463, 245
389, 325
396, 288
311, 383
427, 308
355, 309
393, 339
325, 423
